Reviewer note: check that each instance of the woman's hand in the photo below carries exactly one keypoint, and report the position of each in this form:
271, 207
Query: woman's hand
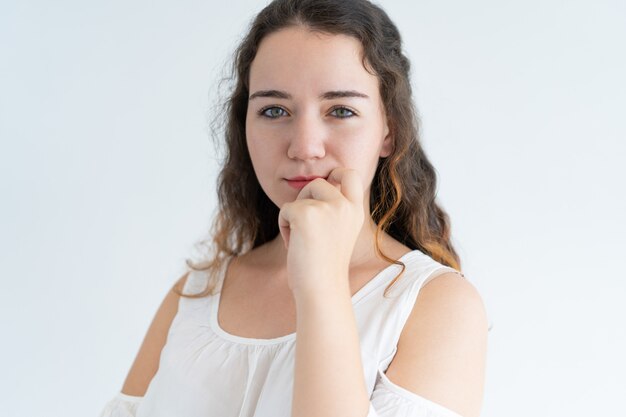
320, 229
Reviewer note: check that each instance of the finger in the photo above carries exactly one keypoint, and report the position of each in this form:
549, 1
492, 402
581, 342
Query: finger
284, 225
319, 189
351, 185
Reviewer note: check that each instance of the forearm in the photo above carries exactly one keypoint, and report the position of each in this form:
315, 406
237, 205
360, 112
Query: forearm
328, 373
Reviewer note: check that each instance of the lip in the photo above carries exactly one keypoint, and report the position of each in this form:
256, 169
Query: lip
300, 181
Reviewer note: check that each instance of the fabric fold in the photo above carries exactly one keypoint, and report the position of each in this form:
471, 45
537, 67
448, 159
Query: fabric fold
391, 400
122, 405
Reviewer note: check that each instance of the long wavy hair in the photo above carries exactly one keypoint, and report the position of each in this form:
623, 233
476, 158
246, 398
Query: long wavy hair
403, 189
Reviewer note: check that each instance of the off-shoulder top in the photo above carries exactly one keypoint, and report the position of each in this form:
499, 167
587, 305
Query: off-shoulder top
205, 371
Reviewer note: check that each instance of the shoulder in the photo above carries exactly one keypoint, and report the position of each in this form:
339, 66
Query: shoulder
450, 292
442, 349
146, 362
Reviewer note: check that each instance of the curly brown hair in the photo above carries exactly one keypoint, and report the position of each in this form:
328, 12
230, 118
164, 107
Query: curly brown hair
403, 189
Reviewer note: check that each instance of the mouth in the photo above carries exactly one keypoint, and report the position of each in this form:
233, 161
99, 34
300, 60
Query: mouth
299, 182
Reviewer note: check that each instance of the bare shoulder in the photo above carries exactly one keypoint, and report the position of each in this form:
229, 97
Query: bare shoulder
453, 293
442, 349
146, 362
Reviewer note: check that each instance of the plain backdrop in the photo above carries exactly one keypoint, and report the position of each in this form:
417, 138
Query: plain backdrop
107, 181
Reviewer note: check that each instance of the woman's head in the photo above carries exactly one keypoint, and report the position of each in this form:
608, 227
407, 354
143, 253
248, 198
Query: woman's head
403, 186
312, 107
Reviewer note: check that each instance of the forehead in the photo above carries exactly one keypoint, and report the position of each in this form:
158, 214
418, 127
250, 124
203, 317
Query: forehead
298, 59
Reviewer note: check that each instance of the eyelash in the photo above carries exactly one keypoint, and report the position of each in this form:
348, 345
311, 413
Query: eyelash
263, 111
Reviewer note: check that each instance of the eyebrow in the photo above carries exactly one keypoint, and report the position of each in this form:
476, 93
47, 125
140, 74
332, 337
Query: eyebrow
329, 95
270, 93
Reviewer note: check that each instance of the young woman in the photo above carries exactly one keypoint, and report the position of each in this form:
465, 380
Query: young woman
333, 288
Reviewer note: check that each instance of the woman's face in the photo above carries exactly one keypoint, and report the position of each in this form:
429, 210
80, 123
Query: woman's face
312, 108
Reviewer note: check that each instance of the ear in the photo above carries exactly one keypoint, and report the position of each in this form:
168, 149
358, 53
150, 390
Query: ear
388, 143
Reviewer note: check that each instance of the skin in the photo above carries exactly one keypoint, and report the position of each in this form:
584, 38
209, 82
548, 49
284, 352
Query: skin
322, 226
326, 239
308, 137
294, 129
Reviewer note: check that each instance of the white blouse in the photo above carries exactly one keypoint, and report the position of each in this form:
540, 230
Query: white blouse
206, 372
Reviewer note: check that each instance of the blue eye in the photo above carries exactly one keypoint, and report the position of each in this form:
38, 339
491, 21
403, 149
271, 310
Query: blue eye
342, 112
273, 112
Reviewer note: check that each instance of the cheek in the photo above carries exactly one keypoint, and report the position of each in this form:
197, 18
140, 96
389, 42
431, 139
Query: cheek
264, 149
350, 137
359, 148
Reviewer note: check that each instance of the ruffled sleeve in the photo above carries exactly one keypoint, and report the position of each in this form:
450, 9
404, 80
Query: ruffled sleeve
391, 400
121, 405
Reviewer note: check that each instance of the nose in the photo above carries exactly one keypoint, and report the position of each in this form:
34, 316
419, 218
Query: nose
307, 139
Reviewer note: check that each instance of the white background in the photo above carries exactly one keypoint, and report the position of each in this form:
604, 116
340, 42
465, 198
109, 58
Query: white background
107, 177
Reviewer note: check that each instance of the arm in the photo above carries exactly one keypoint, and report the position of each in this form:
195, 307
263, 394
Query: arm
442, 349
146, 362
441, 352
328, 373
